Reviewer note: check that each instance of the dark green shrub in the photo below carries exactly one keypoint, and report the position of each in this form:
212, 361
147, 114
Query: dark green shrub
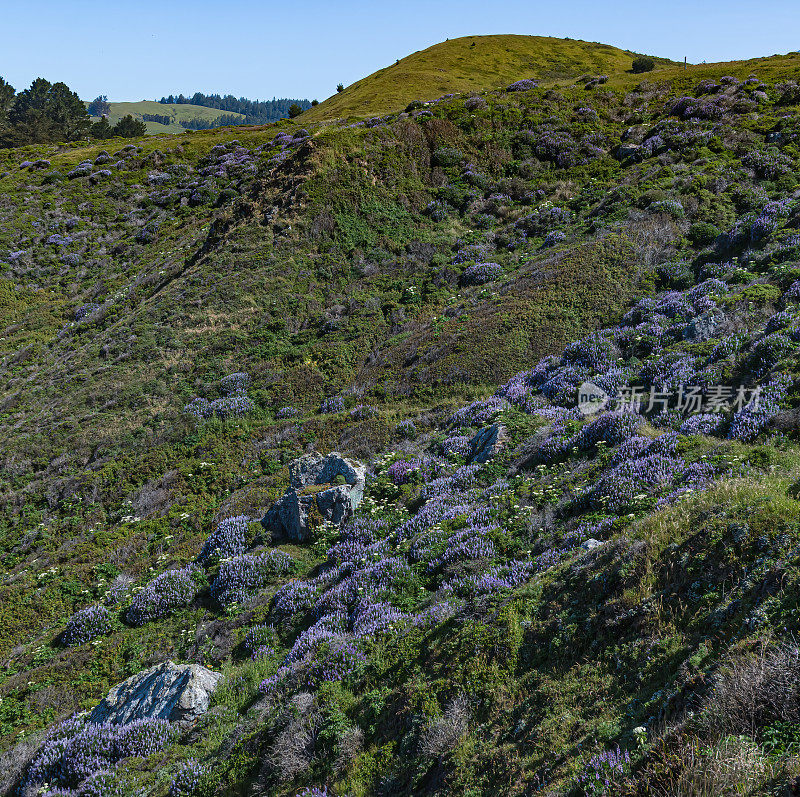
294, 110
643, 64
702, 233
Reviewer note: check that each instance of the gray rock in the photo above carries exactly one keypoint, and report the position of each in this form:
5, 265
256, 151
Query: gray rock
590, 544
704, 327
488, 442
314, 494
175, 692
625, 151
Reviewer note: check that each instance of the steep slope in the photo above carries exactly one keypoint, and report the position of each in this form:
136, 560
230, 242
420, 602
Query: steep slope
472, 63
600, 597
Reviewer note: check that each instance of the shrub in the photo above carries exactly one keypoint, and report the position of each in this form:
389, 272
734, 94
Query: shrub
481, 273
229, 538
185, 783
444, 733
523, 85
172, 590
407, 429
77, 750
447, 156
642, 64
239, 578
702, 233
86, 625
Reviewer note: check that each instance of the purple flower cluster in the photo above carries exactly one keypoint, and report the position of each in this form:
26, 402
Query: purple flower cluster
173, 589
543, 220
240, 578
260, 641
77, 750
481, 273
770, 163
287, 412
234, 383
456, 445
228, 539
86, 625
479, 412
407, 429
603, 771
186, 781
332, 405
523, 85
750, 421
84, 310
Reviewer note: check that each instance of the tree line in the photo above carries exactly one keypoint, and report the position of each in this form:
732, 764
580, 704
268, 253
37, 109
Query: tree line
48, 112
254, 111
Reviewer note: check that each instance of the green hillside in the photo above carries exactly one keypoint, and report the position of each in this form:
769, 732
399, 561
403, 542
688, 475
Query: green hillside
178, 112
472, 63
532, 598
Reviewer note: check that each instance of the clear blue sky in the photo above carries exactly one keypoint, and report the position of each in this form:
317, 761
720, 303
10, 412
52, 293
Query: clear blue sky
145, 49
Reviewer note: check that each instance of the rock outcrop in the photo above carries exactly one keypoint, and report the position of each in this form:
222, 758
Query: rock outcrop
321, 488
174, 692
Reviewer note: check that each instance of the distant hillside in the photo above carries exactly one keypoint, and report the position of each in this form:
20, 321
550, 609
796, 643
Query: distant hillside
177, 112
255, 111
472, 63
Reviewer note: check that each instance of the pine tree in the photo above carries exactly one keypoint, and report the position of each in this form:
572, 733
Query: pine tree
99, 106
128, 127
102, 129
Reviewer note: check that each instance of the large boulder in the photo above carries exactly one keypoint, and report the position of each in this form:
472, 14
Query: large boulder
174, 692
488, 442
321, 488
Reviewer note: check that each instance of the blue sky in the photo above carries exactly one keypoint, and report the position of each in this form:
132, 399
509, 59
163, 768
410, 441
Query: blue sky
263, 49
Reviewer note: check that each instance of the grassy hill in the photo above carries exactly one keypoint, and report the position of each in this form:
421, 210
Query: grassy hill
472, 63
608, 597
178, 112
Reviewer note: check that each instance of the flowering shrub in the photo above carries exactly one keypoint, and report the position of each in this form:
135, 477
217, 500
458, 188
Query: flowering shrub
748, 422
332, 405
406, 429
172, 590
185, 783
239, 578
770, 163
230, 406
234, 383
479, 412
84, 310
603, 772
481, 273
77, 750
86, 625
287, 412
523, 85
228, 539
456, 445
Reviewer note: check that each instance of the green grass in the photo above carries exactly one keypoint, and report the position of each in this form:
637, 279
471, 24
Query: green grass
472, 64
178, 112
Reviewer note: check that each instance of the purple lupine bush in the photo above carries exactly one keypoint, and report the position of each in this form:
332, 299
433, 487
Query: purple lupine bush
173, 589
481, 273
85, 310
229, 538
407, 429
234, 383
286, 412
187, 779
604, 772
332, 405
76, 749
242, 577
86, 625
526, 84
751, 420
231, 406
479, 412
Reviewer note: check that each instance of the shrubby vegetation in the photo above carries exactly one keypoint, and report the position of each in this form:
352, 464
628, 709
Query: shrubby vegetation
528, 599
